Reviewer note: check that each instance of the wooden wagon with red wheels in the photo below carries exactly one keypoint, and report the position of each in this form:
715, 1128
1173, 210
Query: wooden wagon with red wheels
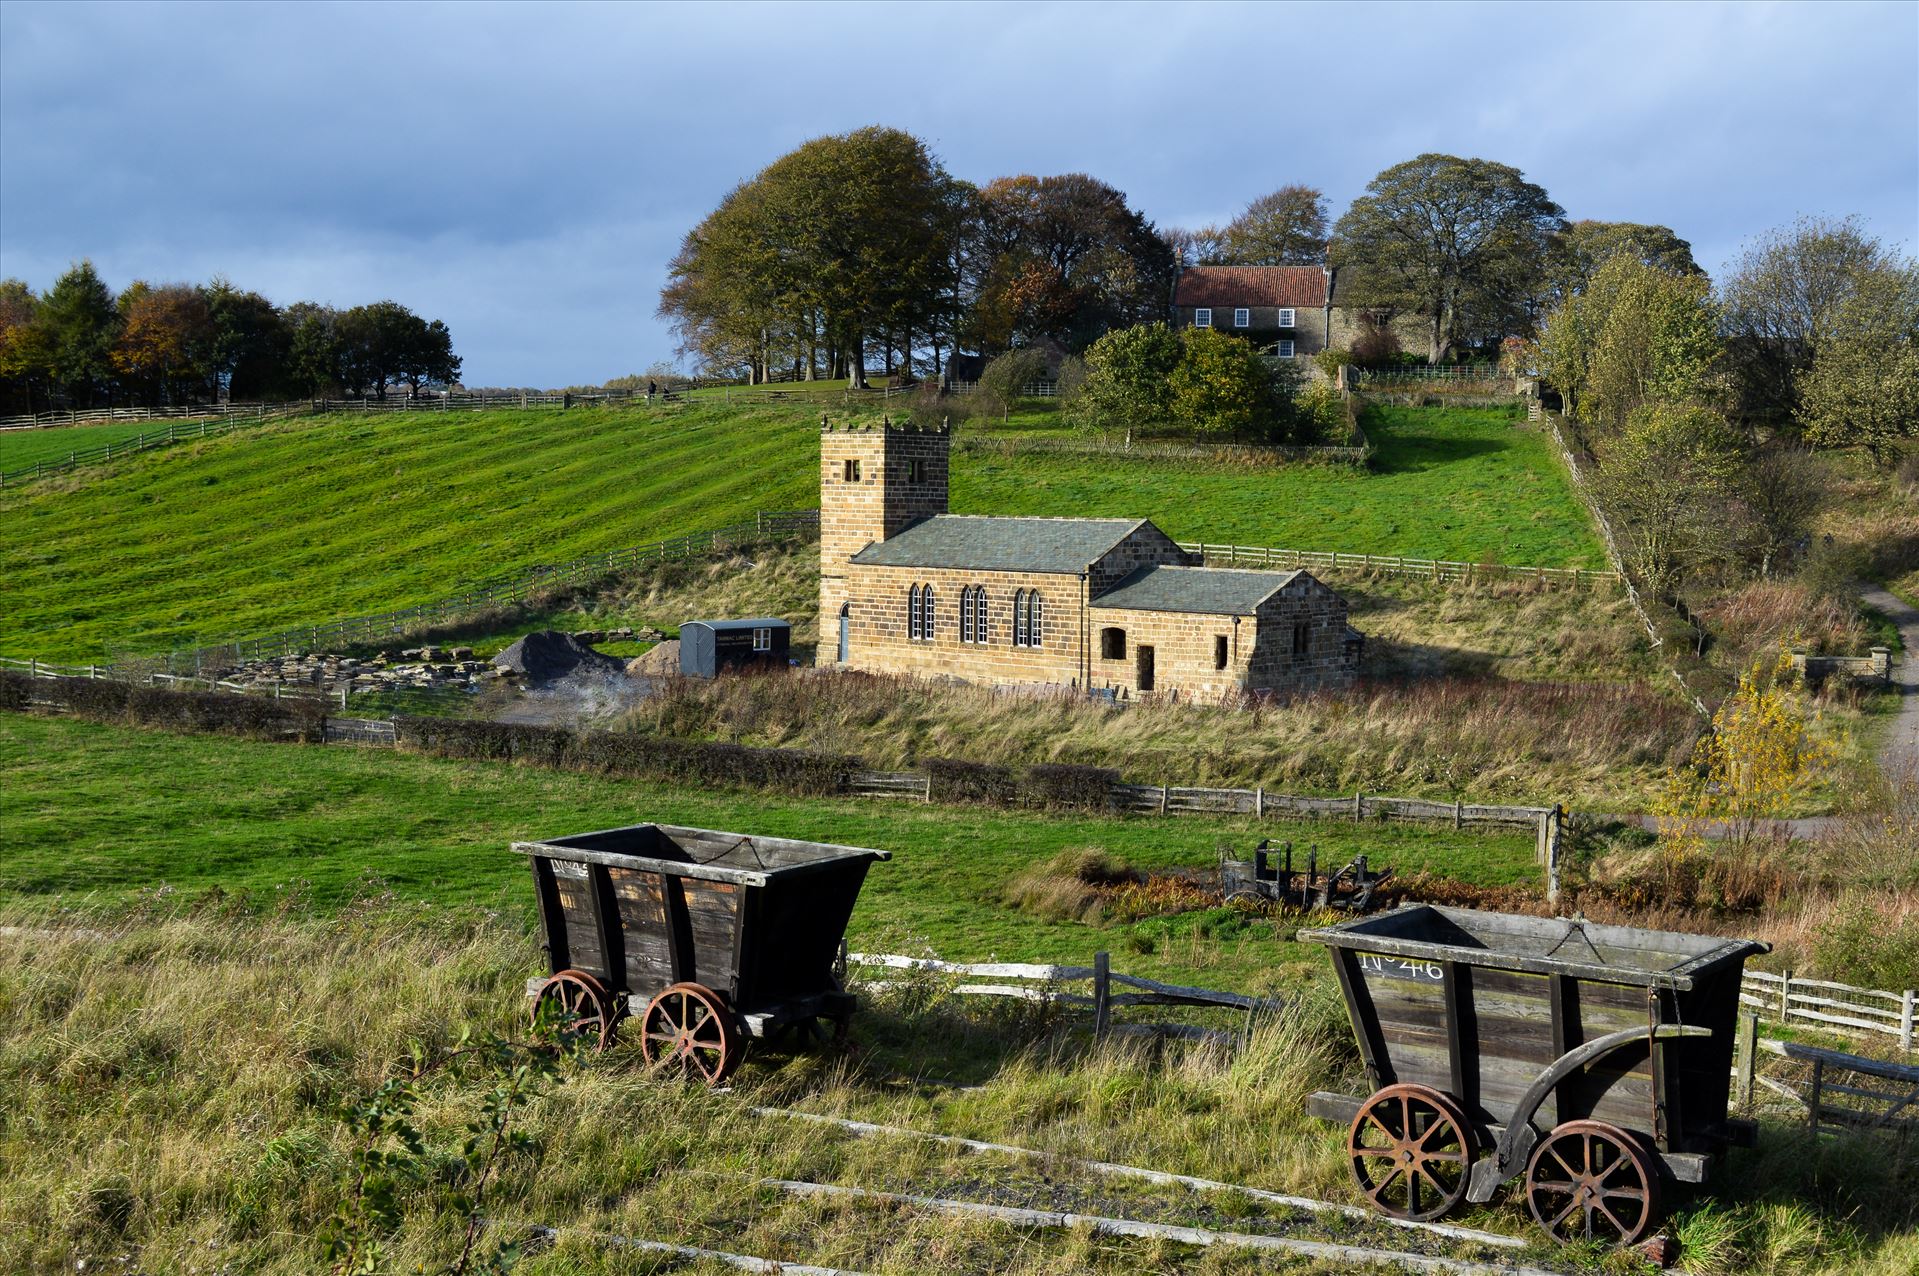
709, 939
1591, 1061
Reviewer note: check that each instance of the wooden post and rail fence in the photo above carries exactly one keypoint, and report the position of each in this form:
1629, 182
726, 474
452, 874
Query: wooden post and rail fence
1046, 984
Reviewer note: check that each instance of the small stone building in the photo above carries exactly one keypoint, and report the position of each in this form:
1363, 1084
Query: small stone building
1096, 603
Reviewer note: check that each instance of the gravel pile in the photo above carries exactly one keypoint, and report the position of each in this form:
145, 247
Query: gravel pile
551, 654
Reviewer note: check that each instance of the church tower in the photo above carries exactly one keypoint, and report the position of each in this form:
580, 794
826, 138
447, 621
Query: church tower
875, 481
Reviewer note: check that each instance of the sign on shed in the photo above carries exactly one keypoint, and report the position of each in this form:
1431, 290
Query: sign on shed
709, 646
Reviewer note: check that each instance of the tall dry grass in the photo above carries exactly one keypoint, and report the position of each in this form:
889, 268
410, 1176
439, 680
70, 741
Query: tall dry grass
1483, 738
168, 1086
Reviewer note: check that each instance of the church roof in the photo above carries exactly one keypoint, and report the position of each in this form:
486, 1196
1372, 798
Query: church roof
1215, 591
1060, 546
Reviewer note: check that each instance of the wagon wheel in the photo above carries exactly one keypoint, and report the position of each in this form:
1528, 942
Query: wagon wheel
587, 1009
688, 1026
1410, 1148
1589, 1181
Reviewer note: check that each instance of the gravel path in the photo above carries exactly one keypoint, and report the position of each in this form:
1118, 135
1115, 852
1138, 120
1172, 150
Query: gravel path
1899, 754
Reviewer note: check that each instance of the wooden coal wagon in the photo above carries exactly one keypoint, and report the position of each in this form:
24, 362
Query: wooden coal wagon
722, 936
1593, 1060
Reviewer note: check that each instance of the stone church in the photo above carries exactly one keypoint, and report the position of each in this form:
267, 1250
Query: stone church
1098, 603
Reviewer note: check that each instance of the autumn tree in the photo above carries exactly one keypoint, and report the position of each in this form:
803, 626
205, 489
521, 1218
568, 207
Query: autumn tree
165, 348
1862, 385
1064, 258
1463, 242
1766, 746
1284, 228
1785, 298
25, 356
80, 324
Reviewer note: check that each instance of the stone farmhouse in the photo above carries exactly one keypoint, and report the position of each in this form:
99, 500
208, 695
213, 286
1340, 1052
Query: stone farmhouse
1301, 310
1092, 603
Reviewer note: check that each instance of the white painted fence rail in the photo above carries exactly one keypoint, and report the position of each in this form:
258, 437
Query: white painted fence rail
1042, 985
1788, 999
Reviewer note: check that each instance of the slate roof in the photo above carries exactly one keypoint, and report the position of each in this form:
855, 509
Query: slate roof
1227, 286
980, 543
1213, 591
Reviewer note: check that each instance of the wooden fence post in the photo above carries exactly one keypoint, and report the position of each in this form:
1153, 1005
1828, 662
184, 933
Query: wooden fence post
1259, 813
1745, 1056
1812, 1095
1459, 812
1359, 806
1908, 1003
1162, 799
1102, 993
1785, 992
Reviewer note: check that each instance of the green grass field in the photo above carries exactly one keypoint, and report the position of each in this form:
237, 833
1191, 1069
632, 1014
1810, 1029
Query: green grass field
97, 816
21, 449
338, 515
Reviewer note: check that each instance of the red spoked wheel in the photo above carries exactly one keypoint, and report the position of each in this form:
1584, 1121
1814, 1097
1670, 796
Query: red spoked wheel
1410, 1149
689, 1027
1590, 1181
587, 1009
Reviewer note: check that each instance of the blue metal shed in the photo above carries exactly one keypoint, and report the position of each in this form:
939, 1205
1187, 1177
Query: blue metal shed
708, 646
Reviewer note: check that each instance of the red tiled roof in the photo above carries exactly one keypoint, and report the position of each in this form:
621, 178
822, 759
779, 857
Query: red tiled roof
1296, 286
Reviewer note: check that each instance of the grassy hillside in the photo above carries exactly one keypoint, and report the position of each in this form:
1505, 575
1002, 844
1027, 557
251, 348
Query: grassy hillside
21, 449
335, 515
96, 816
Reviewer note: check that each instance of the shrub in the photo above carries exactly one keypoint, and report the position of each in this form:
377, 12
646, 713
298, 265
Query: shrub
1866, 944
1127, 384
1064, 786
1003, 382
983, 782
1330, 360
217, 712
1222, 389
1319, 416
15, 690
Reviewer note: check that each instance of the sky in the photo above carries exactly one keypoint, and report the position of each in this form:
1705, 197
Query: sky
524, 172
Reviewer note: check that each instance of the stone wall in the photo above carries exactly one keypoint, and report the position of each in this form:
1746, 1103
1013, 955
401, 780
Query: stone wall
882, 502
1143, 547
1415, 332
1259, 652
1330, 661
1875, 666
1308, 333
877, 626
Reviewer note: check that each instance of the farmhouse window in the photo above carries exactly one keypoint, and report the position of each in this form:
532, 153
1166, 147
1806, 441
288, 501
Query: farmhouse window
1034, 627
1202, 318
762, 640
1302, 637
1286, 349
852, 471
926, 612
913, 612
1112, 643
1286, 317
1219, 651
916, 470
1242, 318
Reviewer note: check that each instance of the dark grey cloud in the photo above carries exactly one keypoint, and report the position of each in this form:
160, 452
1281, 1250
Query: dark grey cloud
525, 172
